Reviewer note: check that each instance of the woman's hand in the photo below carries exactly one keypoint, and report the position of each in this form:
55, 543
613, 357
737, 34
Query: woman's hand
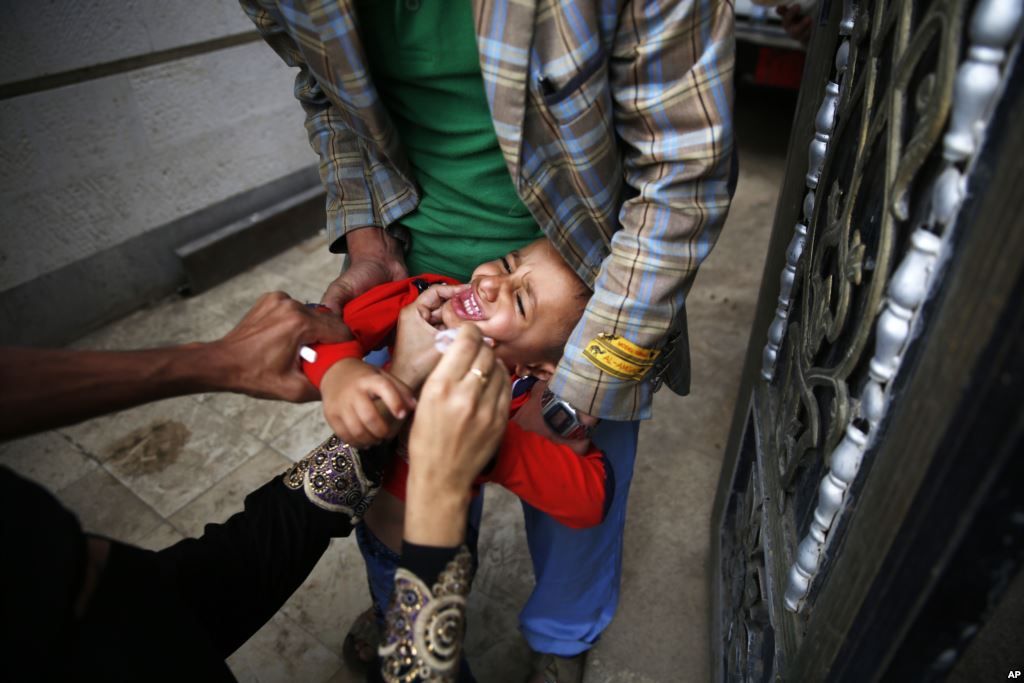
414, 355
461, 417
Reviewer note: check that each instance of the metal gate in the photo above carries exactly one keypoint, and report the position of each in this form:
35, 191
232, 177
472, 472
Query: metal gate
866, 522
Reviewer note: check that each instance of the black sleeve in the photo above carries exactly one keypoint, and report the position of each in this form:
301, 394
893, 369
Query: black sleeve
426, 561
239, 573
40, 577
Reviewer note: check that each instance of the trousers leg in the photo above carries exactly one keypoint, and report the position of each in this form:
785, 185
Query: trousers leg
381, 563
578, 570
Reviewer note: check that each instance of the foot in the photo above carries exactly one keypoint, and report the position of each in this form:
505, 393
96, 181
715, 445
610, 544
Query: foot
554, 669
362, 641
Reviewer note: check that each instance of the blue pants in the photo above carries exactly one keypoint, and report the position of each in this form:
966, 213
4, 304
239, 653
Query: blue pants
578, 570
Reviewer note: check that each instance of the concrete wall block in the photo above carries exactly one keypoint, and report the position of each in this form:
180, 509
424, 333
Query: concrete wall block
39, 38
222, 88
55, 136
107, 160
19, 151
172, 23
225, 161
43, 231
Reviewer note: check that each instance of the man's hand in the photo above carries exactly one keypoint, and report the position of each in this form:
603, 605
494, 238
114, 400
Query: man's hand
414, 355
462, 416
352, 390
45, 388
260, 357
795, 23
374, 259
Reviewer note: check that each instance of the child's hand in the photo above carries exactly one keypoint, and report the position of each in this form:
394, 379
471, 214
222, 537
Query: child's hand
357, 399
429, 303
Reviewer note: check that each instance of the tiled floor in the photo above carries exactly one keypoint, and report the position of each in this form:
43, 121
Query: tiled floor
156, 474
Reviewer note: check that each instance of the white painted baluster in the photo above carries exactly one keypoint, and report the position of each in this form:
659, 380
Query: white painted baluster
907, 290
993, 24
947, 195
849, 17
777, 330
793, 253
843, 467
823, 123
845, 30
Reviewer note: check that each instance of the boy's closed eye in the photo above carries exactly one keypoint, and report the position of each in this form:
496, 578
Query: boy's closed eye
519, 298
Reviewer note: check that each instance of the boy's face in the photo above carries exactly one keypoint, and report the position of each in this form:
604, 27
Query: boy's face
527, 301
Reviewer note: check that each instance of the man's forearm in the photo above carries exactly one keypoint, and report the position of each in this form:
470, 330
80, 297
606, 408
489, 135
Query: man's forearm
41, 389
46, 388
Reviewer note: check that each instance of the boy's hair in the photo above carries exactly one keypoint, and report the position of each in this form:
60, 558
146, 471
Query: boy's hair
568, 324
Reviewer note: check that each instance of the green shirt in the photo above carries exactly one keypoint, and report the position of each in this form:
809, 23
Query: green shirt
425, 67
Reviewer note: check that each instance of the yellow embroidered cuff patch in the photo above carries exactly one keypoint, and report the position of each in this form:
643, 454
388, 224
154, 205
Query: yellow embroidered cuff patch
620, 357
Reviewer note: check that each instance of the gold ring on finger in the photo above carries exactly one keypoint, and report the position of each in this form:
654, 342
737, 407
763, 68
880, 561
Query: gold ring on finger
480, 374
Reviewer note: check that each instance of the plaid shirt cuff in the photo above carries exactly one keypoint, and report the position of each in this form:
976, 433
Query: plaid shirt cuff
594, 391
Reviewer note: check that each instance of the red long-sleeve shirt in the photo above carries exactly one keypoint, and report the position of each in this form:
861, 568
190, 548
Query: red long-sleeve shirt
576, 490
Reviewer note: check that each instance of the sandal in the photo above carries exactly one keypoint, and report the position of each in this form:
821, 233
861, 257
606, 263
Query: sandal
360, 647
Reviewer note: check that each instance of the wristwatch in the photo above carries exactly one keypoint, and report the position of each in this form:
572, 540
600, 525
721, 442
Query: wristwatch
562, 418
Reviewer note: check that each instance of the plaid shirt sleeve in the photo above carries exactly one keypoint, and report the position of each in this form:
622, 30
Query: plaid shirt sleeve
671, 79
349, 195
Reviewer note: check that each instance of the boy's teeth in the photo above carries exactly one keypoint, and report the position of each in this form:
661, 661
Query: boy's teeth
471, 305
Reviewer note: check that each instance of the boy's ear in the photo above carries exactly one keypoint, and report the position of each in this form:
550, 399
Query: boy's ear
541, 371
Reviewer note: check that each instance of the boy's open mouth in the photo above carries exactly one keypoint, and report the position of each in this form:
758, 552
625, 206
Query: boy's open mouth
467, 306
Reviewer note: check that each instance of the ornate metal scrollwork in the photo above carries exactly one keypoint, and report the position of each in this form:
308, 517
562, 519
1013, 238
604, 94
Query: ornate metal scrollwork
749, 637
913, 86
899, 88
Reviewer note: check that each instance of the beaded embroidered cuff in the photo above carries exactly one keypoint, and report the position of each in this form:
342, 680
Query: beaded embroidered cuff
333, 478
425, 628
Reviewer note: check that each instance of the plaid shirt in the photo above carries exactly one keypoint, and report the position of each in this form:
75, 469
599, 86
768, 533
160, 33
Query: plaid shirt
614, 118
